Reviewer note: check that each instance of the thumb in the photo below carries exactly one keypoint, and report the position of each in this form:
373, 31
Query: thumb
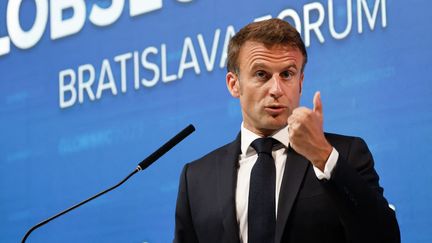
317, 103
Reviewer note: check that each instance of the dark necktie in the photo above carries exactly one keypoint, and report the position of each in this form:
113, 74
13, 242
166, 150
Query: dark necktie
261, 208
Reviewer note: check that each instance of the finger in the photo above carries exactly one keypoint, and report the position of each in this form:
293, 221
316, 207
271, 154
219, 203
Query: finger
296, 115
317, 103
290, 120
301, 110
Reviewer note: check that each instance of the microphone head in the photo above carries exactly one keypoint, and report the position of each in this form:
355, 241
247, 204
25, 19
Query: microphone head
166, 147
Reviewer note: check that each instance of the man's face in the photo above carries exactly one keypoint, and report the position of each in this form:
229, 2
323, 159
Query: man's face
268, 84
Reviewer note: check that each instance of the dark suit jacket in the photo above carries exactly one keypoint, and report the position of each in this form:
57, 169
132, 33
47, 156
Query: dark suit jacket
349, 207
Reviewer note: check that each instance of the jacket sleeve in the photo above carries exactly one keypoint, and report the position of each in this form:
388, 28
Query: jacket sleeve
355, 190
184, 228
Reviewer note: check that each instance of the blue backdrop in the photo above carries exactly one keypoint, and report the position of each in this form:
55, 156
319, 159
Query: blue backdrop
89, 89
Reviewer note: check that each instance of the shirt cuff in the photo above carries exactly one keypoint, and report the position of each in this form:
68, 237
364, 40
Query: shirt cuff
329, 166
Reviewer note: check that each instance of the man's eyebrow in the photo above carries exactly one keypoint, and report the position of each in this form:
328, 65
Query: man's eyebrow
291, 66
259, 65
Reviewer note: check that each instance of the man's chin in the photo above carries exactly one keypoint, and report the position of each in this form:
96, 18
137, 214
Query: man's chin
272, 127
277, 123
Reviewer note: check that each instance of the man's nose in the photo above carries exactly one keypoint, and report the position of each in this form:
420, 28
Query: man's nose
275, 88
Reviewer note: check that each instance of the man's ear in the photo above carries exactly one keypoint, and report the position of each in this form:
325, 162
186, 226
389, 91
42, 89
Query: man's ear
233, 84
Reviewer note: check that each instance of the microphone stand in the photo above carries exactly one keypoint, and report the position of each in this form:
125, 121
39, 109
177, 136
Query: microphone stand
141, 166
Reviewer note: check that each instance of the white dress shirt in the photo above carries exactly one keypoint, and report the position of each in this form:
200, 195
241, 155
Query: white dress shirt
247, 160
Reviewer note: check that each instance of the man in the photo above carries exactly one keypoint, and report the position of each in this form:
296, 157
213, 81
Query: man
306, 186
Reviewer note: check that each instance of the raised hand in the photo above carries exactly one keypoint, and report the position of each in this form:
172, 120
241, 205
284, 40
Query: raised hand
305, 127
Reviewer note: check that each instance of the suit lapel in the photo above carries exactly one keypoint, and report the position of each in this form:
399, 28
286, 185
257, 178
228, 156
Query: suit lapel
295, 170
227, 181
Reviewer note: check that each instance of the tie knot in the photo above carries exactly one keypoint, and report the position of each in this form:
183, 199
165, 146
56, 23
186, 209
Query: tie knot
264, 145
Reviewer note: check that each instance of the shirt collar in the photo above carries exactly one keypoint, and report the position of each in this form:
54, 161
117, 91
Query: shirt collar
247, 137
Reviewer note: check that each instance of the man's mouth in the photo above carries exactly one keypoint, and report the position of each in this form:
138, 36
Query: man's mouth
275, 109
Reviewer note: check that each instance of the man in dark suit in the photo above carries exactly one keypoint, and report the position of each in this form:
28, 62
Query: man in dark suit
282, 179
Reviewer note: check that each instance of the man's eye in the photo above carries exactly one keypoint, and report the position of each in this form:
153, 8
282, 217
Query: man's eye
261, 74
286, 75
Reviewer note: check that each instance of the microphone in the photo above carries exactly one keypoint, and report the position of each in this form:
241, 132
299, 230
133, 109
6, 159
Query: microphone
141, 166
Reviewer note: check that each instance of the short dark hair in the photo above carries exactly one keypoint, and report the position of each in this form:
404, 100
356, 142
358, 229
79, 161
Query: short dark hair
269, 32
